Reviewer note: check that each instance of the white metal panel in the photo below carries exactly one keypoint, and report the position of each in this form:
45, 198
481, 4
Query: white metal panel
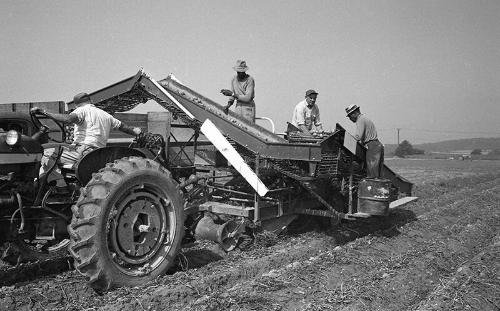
350, 142
220, 142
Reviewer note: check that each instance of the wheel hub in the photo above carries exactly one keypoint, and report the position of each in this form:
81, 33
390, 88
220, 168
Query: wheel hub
140, 227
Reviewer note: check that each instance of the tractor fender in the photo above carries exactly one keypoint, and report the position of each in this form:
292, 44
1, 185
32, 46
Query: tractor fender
93, 161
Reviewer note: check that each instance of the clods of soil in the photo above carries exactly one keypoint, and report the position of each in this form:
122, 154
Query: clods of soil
440, 253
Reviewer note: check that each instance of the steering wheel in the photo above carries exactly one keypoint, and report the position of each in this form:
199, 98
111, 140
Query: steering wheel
38, 124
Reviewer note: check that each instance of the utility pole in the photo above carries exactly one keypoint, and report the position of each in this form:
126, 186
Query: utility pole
398, 129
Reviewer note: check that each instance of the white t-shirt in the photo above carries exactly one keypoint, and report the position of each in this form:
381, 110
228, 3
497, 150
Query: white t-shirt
93, 126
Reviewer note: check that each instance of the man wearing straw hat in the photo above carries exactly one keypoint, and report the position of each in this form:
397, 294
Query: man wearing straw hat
366, 134
242, 91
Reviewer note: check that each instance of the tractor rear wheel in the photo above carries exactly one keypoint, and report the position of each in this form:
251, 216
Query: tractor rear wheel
127, 225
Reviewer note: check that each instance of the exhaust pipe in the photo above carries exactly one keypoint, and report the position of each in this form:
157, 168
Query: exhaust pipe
226, 234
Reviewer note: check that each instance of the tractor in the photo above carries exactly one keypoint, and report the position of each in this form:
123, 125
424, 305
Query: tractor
206, 175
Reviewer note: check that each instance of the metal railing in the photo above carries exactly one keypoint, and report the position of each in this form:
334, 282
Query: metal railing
267, 119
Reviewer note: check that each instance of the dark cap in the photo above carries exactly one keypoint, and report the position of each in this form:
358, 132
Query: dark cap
81, 98
310, 92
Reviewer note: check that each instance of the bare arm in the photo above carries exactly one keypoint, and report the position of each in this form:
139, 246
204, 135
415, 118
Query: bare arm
65, 118
129, 130
231, 95
230, 102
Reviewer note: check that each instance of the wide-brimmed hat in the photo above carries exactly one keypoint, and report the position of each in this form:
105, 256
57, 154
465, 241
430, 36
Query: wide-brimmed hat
310, 92
351, 109
81, 98
241, 66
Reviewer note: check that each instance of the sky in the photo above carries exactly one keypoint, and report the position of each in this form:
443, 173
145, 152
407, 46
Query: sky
430, 67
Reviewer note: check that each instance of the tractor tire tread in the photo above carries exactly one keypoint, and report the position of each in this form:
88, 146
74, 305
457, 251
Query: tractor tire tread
84, 245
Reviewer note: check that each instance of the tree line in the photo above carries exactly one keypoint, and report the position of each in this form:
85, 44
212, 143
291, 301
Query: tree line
406, 149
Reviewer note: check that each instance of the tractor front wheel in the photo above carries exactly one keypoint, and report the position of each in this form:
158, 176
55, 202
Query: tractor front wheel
127, 225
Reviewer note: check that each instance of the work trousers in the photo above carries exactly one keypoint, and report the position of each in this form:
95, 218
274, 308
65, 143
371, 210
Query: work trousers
70, 155
374, 158
246, 111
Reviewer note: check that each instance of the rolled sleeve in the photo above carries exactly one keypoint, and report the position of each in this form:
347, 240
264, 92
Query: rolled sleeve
80, 115
115, 123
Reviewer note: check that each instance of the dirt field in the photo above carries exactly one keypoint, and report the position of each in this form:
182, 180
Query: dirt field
440, 253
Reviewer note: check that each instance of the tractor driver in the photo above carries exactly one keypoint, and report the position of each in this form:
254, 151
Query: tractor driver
91, 131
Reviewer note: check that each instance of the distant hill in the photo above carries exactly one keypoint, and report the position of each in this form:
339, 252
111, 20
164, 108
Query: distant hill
451, 145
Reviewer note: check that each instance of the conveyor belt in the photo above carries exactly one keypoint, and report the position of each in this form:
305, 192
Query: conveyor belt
252, 136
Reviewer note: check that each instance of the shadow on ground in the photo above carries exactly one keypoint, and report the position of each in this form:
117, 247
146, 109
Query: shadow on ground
25, 272
191, 258
349, 230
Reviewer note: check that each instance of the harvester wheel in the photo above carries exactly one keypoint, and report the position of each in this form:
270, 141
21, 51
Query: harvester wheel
27, 247
23, 250
127, 225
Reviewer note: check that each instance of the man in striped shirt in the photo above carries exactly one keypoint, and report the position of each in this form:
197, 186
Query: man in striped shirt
366, 134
